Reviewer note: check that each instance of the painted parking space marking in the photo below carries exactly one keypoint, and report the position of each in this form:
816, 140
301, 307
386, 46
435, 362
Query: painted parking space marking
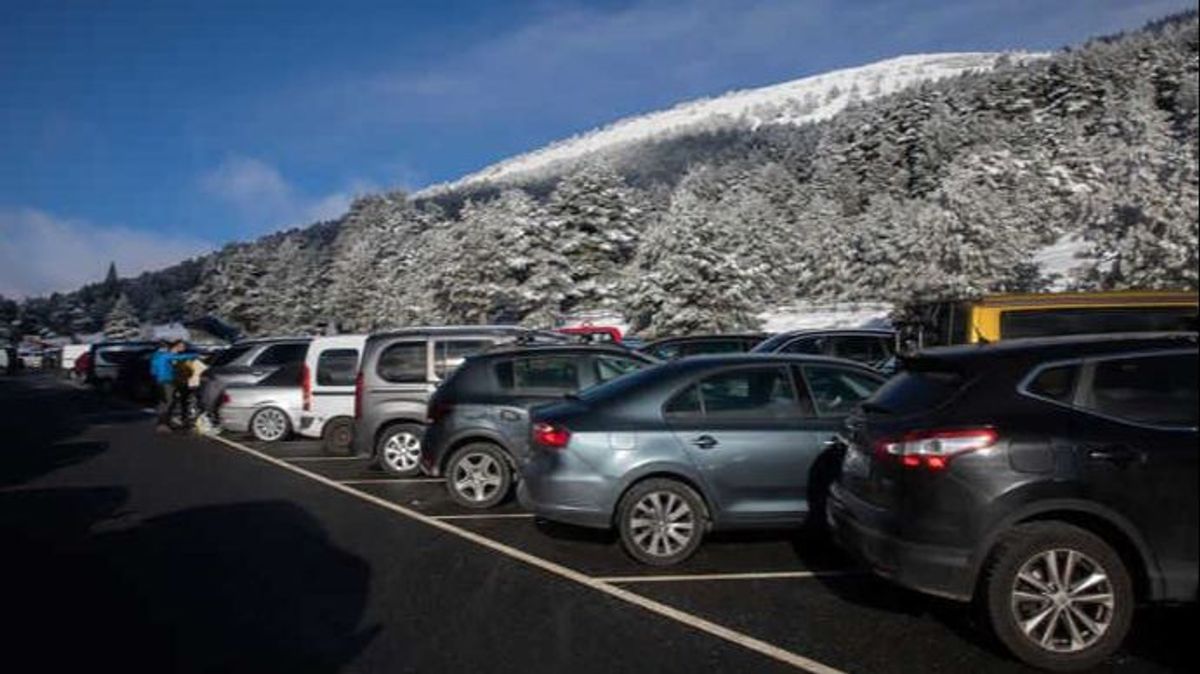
766, 575
486, 516
394, 480
683, 617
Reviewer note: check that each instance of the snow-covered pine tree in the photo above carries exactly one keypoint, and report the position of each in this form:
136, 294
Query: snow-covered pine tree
122, 321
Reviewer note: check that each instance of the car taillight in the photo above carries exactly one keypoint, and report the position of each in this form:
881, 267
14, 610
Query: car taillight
358, 395
551, 436
934, 449
223, 400
306, 386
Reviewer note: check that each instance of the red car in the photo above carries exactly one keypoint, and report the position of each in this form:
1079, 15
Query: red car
593, 334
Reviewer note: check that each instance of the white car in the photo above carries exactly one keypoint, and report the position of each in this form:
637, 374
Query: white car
327, 384
268, 410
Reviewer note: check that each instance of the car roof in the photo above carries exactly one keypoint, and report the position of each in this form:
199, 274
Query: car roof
462, 330
714, 336
1055, 348
505, 350
268, 340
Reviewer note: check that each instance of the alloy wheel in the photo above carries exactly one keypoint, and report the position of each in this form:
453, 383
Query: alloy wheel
662, 523
1062, 600
477, 477
402, 451
270, 425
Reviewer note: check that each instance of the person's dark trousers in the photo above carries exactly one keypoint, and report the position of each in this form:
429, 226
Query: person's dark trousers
166, 402
183, 398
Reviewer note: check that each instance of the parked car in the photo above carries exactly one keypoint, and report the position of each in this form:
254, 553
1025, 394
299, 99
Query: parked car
248, 362
480, 414
671, 348
400, 370
593, 334
70, 354
867, 346
667, 453
268, 409
10, 362
1054, 480
327, 385
106, 359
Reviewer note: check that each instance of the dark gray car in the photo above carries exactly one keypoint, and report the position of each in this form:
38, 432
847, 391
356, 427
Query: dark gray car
870, 346
667, 453
400, 370
481, 412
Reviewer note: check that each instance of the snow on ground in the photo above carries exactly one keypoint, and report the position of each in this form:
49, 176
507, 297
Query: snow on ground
801, 101
813, 316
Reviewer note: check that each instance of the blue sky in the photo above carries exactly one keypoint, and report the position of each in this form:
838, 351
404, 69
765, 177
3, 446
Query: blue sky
147, 131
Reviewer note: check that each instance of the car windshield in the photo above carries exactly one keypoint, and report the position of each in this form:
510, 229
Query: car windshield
913, 391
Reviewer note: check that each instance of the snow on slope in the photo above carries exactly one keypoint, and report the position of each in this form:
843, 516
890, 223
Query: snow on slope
817, 316
801, 101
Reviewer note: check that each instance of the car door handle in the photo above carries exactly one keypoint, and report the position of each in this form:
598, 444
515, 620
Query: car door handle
705, 442
1119, 454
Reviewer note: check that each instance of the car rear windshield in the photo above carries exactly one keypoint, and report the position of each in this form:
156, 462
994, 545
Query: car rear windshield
915, 391
229, 355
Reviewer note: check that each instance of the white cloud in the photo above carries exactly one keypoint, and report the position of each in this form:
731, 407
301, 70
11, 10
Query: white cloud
265, 200
42, 253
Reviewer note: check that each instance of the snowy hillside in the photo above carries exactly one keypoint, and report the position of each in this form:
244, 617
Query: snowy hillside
801, 101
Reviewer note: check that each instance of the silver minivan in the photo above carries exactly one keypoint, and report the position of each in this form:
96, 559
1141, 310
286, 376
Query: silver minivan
399, 372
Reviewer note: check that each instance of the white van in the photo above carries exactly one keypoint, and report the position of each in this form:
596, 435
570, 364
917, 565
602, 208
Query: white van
327, 380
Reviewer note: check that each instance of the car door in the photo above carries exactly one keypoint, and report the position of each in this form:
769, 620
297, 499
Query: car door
333, 382
1136, 449
741, 428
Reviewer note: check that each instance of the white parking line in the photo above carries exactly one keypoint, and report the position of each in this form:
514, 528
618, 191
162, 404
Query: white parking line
664, 610
393, 480
484, 516
767, 575
308, 458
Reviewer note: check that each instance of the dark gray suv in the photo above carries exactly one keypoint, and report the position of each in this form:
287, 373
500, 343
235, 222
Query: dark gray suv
400, 370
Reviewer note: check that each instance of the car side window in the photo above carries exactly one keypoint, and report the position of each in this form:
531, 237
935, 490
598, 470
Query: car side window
450, 353
836, 391
807, 345
1157, 390
1055, 383
860, 348
337, 367
714, 346
404, 363
611, 367
282, 354
666, 351
762, 392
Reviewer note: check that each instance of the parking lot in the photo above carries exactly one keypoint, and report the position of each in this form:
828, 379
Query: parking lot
773, 588
226, 555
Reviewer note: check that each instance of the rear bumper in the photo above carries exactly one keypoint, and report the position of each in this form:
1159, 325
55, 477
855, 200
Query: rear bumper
865, 531
555, 489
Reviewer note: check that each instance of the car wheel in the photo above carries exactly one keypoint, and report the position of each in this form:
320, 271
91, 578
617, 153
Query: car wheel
478, 476
1058, 596
337, 436
270, 424
399, 450
661, 521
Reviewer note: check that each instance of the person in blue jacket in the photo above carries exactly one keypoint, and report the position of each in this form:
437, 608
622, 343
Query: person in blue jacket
162, 368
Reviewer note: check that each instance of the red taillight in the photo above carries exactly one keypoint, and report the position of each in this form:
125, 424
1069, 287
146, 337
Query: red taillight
306, 386
358, 395
223, 400
934, 449
551, 436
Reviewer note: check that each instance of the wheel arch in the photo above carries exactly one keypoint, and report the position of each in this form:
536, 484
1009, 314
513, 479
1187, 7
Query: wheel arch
663, 473
1113, 529
389, 425
473, 436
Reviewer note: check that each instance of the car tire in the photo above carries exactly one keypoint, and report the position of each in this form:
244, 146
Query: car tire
479, 476
820, 480
1024, 580
270, 424
398, 452
338, 436
661, 521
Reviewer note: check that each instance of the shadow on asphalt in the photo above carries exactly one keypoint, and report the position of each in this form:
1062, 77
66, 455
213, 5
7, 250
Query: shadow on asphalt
241, 587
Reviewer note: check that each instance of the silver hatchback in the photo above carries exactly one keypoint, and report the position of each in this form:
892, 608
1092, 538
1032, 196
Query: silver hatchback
669, 452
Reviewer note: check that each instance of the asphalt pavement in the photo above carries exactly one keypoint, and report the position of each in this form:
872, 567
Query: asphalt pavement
128, 550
